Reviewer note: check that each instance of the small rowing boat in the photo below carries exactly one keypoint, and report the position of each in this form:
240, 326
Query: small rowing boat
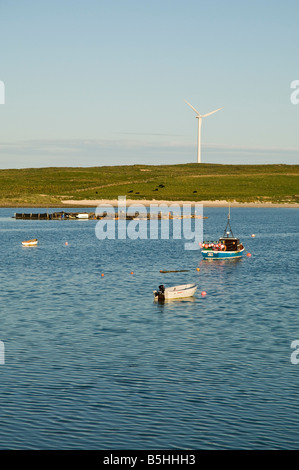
32, 242
175, 292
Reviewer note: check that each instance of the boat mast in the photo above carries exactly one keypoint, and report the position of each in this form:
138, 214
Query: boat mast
227, 232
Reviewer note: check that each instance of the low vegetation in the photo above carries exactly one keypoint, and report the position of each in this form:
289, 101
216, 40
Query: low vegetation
47, 187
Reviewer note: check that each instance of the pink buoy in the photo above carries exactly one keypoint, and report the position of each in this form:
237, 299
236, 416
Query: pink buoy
66, 243
203, 293
248, 254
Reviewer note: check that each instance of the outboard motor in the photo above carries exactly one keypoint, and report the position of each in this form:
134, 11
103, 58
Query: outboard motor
160, 292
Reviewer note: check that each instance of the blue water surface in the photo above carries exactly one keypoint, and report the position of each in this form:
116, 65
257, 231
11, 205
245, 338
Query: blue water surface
92, 362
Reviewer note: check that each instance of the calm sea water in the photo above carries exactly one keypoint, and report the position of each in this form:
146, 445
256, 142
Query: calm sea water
91, 362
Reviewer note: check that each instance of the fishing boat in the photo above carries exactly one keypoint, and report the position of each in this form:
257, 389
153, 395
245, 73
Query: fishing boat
175, 292
32, 242
227, 247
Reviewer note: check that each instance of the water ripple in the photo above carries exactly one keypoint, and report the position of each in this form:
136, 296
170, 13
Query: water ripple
92, 362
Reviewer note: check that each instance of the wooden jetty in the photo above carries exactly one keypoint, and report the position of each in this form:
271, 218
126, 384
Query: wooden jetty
62, 215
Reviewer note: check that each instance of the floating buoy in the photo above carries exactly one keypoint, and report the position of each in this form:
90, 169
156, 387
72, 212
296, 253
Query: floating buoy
132, 272
197, 269
203, 293
66, 243
253, 235
102, 274
248, 254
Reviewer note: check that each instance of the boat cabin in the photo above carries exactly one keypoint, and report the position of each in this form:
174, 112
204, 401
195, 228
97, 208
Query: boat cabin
231, 243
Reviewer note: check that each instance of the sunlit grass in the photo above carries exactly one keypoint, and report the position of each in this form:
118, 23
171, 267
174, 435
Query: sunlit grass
190, 182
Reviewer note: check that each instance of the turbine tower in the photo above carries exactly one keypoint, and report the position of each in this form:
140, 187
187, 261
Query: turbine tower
199, 117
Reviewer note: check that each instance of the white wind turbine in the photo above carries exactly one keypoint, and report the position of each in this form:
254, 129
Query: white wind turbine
199, 117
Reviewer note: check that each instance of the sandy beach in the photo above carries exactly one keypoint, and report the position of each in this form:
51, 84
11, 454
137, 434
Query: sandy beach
147, 203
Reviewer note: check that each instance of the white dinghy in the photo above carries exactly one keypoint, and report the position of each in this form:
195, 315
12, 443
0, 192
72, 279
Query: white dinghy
32, 242
175, 292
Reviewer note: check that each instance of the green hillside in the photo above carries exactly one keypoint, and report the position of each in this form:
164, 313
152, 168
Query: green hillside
190, 182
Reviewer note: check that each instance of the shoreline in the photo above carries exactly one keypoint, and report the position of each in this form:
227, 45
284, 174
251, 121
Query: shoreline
147, 203
129, 202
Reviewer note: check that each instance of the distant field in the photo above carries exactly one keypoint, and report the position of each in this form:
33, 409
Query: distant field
191, 182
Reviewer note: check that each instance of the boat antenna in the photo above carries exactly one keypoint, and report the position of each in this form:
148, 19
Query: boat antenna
226, 231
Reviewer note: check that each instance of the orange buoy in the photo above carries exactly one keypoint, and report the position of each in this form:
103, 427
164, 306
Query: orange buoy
203, 293
132, 272
253, 235
248, 254
102, 274
197, 269
66, 243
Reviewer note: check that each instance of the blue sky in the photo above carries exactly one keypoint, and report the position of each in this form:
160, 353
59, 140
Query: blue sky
104, 82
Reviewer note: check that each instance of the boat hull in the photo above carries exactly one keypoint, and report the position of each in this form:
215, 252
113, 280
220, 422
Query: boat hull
30, 242
177, 292
219, 255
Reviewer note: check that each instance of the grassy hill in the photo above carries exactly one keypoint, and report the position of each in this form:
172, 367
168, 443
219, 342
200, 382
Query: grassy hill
191, 182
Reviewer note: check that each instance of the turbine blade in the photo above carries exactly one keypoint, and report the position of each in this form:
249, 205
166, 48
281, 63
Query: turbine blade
212, 112
192, 108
